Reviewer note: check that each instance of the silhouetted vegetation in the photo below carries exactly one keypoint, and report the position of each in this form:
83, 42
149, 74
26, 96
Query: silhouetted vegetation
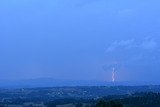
102, 103
136, 100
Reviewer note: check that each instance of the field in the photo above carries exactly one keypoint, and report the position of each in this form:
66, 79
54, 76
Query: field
93, 96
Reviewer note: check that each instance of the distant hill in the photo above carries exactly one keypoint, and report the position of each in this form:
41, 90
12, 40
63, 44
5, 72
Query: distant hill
50, 82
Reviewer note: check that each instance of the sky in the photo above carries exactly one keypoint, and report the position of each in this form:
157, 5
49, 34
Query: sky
80, 39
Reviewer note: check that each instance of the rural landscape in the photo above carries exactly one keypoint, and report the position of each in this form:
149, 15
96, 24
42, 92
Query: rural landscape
79, 53
93, 96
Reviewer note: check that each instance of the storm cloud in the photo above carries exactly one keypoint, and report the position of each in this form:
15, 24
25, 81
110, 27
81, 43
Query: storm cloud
80, 39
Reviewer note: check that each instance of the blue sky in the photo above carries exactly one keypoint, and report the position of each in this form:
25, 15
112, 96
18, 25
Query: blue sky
80, 39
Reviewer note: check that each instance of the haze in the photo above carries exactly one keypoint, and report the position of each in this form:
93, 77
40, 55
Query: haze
80, 39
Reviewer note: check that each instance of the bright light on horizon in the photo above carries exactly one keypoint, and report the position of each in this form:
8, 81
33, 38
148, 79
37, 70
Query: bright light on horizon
113, 75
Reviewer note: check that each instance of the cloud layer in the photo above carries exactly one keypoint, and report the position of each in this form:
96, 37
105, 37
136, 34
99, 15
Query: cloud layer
147, 44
